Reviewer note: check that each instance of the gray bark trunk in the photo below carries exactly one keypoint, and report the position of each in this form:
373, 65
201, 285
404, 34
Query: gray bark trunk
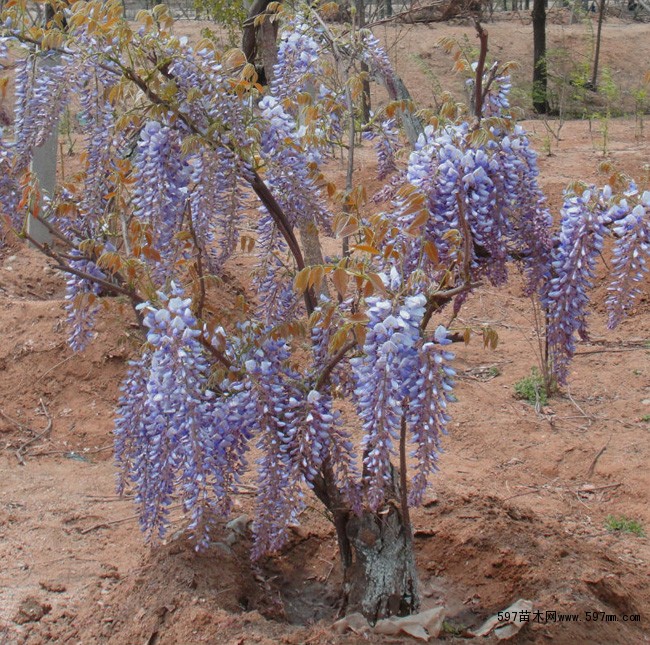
381, 579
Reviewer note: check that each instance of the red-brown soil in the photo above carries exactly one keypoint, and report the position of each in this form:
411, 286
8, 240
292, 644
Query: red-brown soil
518, 509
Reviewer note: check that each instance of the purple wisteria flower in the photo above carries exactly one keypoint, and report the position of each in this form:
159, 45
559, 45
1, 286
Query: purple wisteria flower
376, 57
429, 392
169, 433
81, 305
399, 379
574, 260
386, 139
42, 91
160, 197
9, 188
630, 259
216, 201
298, 62
96, 120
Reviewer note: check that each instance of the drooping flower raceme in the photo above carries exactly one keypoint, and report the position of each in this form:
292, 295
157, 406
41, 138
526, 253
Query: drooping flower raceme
386, 140
81, 305
429, 392
574, 260
399, 380
216, 201
298, 59
161, 190
9, 188
168, 434
42, 83
631, 256
288, 175
96, 120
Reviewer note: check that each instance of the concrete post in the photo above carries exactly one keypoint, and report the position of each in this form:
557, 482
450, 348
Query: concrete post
44, 168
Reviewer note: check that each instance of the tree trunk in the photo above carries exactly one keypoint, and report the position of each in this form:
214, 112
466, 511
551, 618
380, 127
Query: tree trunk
411, 123
540, 80
360, 6
601, 15
377, 555
381, 579
252, 39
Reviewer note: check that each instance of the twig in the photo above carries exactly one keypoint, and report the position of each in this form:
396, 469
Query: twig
614, 350
16, 423
595, 488
44, 374
121, 520
349, 175
403, 484
48, 453
407, 12
109, 286
21, 450
592, 468
479, 95
199, 263
530, 492
331, 566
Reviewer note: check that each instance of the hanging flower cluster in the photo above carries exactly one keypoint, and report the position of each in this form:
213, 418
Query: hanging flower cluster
574, 260
386, 139
169, 434
42, 91
390, 378
161, 191
489, 192
375, 56
298, 63
9, 189
96, 120
81, 305
288, 174
216, 201
631, 255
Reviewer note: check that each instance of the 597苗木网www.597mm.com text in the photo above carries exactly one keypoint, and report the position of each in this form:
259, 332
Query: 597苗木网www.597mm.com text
554, 616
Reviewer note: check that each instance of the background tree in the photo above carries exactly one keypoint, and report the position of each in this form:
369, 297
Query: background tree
540, 76
594, 75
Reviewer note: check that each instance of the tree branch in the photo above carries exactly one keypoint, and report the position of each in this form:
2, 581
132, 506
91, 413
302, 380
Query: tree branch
335, 360
403, 480
479, 96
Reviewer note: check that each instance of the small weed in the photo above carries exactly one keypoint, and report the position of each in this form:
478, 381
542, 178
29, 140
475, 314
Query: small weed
646, 418
531, 388
455, 630
624, 525
637, 372
494, 371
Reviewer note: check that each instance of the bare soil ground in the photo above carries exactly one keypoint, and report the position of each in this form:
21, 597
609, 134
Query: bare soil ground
518, 509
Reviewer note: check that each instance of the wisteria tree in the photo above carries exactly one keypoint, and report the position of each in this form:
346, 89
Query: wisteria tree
333, 374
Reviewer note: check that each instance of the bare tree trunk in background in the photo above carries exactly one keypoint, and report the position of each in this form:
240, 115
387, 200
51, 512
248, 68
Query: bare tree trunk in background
360, 7
268, 37
253, 40
601, 15
540, 78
